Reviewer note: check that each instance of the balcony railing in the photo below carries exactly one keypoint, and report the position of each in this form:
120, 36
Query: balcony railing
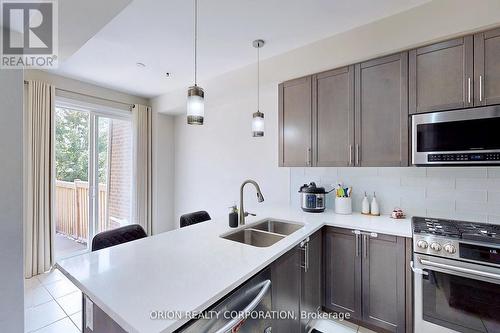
72, 209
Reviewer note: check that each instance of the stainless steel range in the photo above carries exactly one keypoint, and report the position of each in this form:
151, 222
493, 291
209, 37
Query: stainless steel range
457, 276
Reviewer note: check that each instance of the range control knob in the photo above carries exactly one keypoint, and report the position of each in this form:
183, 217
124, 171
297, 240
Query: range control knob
436, 247
422, 244
450, 248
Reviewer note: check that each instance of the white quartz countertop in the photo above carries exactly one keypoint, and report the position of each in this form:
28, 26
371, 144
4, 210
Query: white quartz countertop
190, 269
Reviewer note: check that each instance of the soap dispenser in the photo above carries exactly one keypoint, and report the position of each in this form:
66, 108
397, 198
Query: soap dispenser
365, 206
374, 209
233, 216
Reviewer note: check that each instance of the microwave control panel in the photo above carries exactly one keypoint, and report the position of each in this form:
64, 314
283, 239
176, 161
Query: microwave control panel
463, 157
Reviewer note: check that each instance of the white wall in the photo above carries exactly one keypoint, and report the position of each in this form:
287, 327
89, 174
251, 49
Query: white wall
212, 160
163, 172
471, 193
11, 183
84, 88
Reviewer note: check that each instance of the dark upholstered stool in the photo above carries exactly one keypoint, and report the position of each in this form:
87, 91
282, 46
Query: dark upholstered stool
117, 236
193, 218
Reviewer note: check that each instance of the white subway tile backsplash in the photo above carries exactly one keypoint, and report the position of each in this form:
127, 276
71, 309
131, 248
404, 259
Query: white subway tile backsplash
465, 193
494, 172
490, 184
494, 196
469, 172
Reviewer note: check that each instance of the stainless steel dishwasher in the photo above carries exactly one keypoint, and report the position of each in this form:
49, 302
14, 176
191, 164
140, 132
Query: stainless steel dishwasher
243, 310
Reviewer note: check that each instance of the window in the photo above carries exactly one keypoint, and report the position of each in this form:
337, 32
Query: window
93, 168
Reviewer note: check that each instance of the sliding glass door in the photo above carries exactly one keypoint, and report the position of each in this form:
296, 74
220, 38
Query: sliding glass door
93, 168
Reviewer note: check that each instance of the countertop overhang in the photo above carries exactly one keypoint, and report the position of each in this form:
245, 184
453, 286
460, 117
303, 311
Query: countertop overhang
189, 269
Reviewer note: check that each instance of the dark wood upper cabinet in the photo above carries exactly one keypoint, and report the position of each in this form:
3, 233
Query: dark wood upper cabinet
333, 117
358, 115
382, 111
295, 122
487, 68
441, 76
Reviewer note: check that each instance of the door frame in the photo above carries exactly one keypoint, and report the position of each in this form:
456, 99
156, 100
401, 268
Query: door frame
95, 112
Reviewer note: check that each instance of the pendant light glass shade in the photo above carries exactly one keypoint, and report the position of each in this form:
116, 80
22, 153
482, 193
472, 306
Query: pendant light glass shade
258, 124
195, 101
195, 106
258, 117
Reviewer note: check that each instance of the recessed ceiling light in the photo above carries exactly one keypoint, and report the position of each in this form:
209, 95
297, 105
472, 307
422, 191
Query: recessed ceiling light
140, 64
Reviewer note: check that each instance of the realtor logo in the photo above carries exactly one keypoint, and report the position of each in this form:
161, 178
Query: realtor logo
29, 34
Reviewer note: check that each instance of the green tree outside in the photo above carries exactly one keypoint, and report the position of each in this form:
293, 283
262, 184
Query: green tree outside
72, 145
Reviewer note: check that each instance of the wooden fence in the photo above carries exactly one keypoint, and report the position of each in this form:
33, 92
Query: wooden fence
72, 209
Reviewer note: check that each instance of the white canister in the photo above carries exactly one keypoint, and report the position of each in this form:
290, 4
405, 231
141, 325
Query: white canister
343, 205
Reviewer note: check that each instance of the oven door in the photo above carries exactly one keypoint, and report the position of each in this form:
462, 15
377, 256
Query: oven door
453, 296
460, 131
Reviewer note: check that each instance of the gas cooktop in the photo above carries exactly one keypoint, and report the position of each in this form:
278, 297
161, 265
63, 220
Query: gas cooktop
477, 232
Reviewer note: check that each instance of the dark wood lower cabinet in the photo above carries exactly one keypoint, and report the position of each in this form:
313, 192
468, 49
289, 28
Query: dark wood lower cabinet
383, 276
366, 276
296, 284
342, 263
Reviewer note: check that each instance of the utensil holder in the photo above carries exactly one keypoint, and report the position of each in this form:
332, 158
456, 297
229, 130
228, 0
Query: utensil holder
343, 205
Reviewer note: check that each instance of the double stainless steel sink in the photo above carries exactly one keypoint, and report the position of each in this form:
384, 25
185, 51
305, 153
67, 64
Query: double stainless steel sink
264, 233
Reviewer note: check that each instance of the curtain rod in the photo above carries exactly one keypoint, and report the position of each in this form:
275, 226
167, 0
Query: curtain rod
103, 99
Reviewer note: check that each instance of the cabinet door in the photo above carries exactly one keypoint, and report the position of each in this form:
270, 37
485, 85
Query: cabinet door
384, 282
487, 68
342, 260
333, 117
382, 112
295, 121
310, 301
441, 76
286, 284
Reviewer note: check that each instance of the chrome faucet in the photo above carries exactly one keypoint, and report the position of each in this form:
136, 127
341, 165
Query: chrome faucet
260, 198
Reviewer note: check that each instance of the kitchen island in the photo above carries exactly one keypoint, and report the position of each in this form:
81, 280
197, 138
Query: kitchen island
189, 269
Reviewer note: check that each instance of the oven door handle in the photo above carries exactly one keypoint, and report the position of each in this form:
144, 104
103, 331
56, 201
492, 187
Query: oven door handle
460, 269
417, 270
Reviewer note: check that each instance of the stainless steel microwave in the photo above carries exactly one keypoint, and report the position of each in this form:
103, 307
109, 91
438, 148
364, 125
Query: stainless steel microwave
459, 137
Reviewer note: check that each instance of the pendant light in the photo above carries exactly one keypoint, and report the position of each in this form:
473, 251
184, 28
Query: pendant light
258, 117
196, 95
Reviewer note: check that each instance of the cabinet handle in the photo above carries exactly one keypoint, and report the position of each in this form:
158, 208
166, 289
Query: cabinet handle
307, 256
468, 89
308, 157
357, 245
480, 88
366, 242
304, 246
350, 155
357, 233
357, 155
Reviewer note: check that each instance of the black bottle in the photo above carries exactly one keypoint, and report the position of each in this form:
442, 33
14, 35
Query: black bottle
233, 217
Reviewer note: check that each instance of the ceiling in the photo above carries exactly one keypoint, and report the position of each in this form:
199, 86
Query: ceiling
159, 33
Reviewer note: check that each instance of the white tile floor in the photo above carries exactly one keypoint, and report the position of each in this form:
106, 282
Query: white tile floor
52, 304
336, 326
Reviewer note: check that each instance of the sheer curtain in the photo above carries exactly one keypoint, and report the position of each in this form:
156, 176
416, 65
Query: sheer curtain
143, 167
38, 229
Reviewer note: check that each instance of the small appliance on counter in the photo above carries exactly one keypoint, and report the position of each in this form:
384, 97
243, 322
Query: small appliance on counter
313, 198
